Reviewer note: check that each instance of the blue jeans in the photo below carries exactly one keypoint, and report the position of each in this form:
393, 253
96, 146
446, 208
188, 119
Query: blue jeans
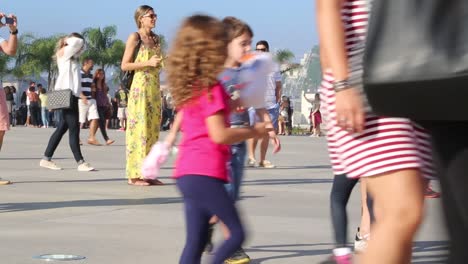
236, 168
274, 113
45, 116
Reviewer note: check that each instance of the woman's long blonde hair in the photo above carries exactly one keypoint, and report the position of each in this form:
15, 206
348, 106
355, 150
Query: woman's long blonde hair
196, 57
140, 12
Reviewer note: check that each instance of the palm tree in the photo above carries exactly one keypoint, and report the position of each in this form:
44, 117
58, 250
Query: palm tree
4, 60
42, 51
284, 57
102, 45
22, 66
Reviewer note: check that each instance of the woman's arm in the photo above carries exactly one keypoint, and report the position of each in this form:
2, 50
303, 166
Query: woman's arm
172, 136
349, 106
332, 36
127, 60
9, 46
72, 47
308, 100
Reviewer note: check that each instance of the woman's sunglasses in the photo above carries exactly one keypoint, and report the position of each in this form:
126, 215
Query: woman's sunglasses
152, 16
262, 50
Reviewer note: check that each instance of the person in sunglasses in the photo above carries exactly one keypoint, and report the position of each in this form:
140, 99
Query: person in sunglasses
272, 100
144, 98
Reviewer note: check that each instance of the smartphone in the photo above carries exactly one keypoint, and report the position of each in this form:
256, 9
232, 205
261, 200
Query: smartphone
9, 21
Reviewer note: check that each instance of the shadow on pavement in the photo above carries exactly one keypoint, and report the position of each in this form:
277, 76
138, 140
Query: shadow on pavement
437, 251
19, 207
286, 181
291, 167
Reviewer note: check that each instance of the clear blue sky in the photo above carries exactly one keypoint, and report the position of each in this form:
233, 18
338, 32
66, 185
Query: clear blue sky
285, 24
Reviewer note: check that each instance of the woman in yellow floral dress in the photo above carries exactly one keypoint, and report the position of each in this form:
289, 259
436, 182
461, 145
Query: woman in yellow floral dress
144, 99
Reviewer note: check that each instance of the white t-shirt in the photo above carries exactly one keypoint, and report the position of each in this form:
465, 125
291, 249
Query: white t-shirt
270, 94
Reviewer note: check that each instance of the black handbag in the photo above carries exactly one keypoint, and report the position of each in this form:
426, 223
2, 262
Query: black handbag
126, 77
416, 59
60, 99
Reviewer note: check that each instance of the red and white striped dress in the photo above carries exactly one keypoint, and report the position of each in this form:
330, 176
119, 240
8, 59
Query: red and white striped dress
386, 144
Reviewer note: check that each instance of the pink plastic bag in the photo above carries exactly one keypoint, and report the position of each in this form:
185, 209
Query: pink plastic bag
152, 163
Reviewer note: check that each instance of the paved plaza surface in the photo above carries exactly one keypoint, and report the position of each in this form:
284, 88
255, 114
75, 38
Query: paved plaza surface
97, 215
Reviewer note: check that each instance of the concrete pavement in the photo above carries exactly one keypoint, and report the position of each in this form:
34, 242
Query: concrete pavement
99, 216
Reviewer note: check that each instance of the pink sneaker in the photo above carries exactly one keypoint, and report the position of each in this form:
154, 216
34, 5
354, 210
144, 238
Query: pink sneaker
345, 259
156, 157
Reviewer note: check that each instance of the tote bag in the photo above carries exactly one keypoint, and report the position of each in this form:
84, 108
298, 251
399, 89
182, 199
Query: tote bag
60, 99
416, 59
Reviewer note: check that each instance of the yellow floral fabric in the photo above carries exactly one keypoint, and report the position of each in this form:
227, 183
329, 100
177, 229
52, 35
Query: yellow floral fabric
144, 112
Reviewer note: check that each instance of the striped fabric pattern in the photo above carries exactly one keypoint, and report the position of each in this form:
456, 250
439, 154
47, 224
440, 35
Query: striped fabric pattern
387, 144
86, 83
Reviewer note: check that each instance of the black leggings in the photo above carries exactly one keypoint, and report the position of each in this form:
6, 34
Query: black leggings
102, 121
340, 193
34, 110
69, 121
204, 197
450, 147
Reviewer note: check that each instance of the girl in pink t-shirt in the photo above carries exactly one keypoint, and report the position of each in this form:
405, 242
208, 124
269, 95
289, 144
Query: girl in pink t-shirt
195, 61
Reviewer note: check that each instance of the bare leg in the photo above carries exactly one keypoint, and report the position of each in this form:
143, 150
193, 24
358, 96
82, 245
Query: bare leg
317, 130
399, 199
365, 216
2, 134
93, 126
251, 146
264, 148
314, 130
281, 127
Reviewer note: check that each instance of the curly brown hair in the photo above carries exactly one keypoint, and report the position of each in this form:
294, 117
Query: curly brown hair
196, 57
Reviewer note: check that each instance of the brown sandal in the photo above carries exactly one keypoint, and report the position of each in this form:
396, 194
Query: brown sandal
138, 182
4, 182
94, 142
154, 182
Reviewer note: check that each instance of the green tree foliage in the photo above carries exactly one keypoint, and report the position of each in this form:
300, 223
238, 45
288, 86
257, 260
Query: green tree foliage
4, 60
284, 58
102, 47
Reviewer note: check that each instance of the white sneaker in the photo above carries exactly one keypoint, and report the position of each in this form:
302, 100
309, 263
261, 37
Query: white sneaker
49, 165
85, 167
266, 164
360, 242
251, 163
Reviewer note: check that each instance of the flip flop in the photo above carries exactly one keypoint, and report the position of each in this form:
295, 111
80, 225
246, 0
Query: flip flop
154, 182
110, 142
4, 182
94, 142
139, 183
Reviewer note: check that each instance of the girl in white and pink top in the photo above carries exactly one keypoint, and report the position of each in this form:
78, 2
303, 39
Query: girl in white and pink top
392, 153
195, 61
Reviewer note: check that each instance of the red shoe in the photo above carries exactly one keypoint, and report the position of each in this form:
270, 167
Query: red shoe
429, 193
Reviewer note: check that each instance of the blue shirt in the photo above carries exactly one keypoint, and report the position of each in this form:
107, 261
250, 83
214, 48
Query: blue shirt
230, 80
